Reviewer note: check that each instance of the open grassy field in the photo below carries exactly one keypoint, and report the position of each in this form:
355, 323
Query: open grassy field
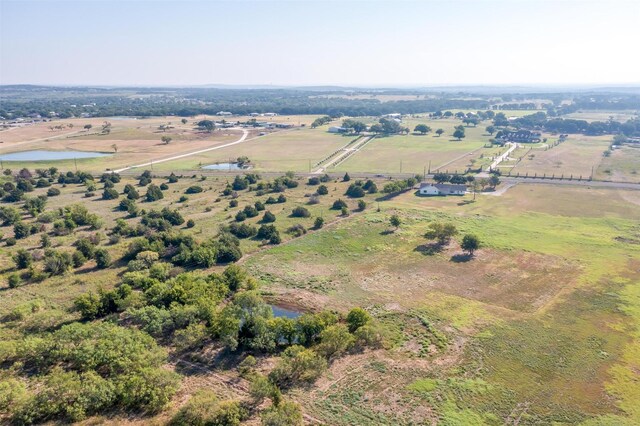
294, 149
541, 323
623, 165
577, 156
620, 116
384, 154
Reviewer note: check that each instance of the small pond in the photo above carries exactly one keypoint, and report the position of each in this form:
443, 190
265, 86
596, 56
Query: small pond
42, 155
282, 312
225, 166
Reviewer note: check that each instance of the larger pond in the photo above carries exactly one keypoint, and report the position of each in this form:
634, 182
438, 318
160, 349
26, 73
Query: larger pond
282, 312
225, 166
42, 155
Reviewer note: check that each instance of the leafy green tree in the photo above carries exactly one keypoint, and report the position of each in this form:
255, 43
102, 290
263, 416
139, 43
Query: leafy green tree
494, 181
318, 223
470, 243
166, 140
23, 259
154, 193
287, 413
298, 365
442, 232
334, 341
491, 129
459, 133
356, 318
395, 221
103, 258
204, 409
422, 129
322, 190
439, 132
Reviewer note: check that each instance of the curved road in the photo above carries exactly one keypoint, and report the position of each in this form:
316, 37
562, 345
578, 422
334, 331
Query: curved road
188, 154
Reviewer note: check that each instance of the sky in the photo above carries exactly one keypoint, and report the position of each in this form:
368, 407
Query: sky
293, 43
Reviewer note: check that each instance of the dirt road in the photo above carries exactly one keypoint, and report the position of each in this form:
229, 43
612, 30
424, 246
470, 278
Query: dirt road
245, 133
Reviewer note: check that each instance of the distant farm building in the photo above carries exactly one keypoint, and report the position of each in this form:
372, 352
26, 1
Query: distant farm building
524, 136
284, 125
270, 114
336, 129
442, 189
224, 113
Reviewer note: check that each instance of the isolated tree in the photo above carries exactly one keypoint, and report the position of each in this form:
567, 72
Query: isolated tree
494, 181
183, 121
470, 243
166, 139
491, 129
459, 133
422, 129
442, 232
395, 221
88, 127
207, 125
439, 132
483, 182
346, 177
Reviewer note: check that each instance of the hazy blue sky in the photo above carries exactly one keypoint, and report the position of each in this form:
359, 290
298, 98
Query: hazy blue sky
319, 42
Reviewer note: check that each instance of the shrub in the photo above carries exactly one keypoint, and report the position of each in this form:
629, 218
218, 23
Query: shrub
53, 192
259, 206
268, 217
164, 186
338, 204
103, 258
322, 190
355, 191
335, 340
78, 259
286, 413
191, 223
297, 365
240, 216
233, 203
204, 408
23, 259
346, 177
21, 230
356, 318
194, 189
57, 263
300, 212
362, 205
250, 211
313, 181
318, 223
10, 241
154, 193
14, 280
110, 194
297, 230
282, 198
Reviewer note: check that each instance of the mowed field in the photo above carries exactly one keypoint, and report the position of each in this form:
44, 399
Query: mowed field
415, 152
542, 324
292, 149
576, 156
620, 116
623, 165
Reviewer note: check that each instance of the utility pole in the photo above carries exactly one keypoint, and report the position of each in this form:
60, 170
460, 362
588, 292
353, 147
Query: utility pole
76, 164
424, 173
429, 166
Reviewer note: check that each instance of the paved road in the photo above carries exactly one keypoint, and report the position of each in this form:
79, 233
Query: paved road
498, 160
188, 154
345, 152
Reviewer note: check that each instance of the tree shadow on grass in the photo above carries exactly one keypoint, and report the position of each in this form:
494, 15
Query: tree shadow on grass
461, 257
387, 232
429, 249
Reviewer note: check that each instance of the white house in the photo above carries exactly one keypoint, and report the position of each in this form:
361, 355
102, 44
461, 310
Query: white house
336, 129
441, 189
224, 113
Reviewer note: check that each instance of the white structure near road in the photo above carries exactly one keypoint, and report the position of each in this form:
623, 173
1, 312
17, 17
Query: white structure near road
441, 189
